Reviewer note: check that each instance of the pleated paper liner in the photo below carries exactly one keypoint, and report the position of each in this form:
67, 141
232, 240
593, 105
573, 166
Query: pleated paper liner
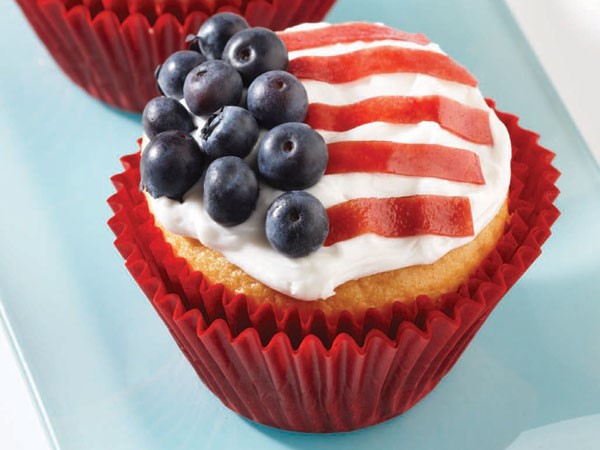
111, 48
336, 373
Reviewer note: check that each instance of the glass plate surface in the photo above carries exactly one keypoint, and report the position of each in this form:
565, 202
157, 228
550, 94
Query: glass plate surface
105, 369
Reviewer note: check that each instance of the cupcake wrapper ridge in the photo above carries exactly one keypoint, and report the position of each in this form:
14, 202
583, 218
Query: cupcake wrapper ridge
314, 373
111, 48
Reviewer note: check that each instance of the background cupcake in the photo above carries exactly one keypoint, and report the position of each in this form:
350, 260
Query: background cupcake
111, 48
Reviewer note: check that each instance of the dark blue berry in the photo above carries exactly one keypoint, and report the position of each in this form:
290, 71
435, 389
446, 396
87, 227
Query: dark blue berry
217, 30
164, 114
230, 191
210, 86
255, 51
171, 163
296, 224
170, 76
231, 131
277, 97
292, 156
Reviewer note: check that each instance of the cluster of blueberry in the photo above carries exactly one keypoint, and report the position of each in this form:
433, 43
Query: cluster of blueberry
225, 57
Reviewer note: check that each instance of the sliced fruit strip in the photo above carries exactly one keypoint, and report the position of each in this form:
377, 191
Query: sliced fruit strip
469, 123
419, 160
344, 33
370, 61
400, 217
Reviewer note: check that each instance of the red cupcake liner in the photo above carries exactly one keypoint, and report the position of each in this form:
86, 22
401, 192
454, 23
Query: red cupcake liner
315, 373
111, 48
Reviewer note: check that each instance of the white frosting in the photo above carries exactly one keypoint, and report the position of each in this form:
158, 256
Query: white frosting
342, 48
318, 274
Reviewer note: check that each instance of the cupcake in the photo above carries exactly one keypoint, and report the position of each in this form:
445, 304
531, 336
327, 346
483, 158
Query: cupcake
325, 276
111, 48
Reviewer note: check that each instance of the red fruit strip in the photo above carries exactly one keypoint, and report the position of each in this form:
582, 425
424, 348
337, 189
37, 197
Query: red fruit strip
418, 160
400, 217
469, 123
371, 61
346, 32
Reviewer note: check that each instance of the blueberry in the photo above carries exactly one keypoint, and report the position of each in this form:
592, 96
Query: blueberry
292, 156
230, 191
171, 163
277, 97
164, 114
210, 86
296, 224
231, 131
255, 51
171, 75
217, 30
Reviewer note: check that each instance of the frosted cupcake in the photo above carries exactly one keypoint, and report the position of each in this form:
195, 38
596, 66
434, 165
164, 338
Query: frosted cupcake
354, 321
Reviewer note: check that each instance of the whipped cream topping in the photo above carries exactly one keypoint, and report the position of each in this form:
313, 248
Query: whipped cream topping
317, 275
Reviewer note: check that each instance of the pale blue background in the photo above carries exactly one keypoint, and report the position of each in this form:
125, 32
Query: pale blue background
105, 368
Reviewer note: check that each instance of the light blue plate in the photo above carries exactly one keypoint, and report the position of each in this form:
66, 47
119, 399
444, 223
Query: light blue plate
108, 374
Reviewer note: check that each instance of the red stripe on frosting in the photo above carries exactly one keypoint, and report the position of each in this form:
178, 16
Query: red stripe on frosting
371, 61
418, 160
344, 33
400, 217
469, 123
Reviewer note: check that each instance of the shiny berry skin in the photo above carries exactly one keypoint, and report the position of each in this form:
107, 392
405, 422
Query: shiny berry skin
171, 163
164, 114
255, 51
230, 131
210, 86
170, 76
230, 191
217, 30
296, 224
292, 156
277, 97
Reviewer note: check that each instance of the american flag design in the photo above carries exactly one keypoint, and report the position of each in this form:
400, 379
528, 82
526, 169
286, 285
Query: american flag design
418, 162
